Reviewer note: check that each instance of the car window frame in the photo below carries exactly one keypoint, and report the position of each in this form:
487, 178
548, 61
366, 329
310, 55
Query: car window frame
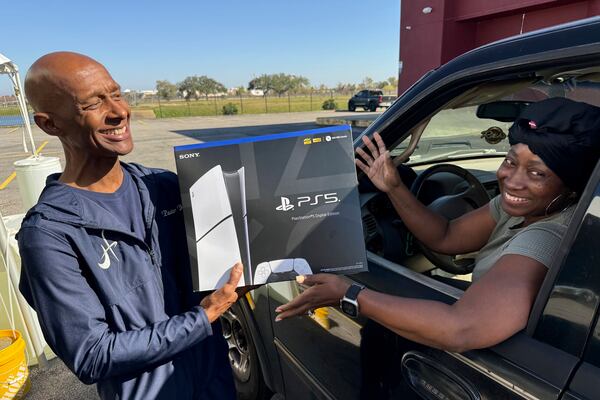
560, 264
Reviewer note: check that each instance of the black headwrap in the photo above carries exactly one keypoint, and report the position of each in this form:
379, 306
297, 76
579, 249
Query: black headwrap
565, 134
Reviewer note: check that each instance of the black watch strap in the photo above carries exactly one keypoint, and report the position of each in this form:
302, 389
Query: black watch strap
353, 291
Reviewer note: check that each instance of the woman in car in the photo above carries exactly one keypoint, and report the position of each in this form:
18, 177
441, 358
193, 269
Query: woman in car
555, 144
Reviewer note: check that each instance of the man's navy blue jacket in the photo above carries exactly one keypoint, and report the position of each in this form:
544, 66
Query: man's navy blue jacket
117, 309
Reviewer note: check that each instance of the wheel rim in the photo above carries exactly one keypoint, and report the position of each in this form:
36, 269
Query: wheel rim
239, 353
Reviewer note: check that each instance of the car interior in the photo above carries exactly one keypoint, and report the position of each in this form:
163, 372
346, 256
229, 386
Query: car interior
449, 161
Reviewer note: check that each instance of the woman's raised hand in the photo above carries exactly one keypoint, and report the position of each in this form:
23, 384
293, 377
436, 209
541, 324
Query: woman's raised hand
378, 165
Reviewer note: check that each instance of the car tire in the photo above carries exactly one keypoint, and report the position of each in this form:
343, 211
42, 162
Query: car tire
243, 358
351, 106
372, 106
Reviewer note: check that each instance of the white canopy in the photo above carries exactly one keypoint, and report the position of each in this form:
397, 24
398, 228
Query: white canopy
10, 68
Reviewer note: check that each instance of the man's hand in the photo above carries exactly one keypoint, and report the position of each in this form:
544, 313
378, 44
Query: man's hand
378, 165
324, 290
221, 299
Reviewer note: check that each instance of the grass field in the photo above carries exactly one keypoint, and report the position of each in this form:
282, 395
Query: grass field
253, 105
214, 106
9, 111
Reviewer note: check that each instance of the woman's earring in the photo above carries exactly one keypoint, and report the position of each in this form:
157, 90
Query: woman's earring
571, 196
546, 213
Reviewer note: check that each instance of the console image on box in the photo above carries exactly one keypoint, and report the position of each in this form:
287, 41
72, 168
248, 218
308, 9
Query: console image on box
281, 270
221, 228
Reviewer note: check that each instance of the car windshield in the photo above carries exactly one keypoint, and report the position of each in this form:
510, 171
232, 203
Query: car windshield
459, 133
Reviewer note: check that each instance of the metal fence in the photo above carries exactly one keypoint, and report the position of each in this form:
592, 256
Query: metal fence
10, 114
241, 103
151, 106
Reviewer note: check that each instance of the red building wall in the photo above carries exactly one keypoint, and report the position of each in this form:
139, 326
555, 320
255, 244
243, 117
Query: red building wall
452, 27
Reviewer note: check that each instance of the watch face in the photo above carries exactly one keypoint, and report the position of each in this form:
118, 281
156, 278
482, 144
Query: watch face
349, 308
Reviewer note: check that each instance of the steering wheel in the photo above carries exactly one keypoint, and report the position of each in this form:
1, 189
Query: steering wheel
450, 207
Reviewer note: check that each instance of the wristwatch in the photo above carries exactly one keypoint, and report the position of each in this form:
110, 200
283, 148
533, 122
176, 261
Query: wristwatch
348, 303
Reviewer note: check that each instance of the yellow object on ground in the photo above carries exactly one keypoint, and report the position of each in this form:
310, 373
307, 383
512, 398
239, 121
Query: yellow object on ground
14, 374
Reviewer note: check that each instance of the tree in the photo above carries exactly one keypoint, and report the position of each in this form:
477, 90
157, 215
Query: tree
391, 84
240, 90
345, 87
199, 85
367, 83
279, 83
321, 88
299, 83
263, 82
208, 86
166, 90
189, 87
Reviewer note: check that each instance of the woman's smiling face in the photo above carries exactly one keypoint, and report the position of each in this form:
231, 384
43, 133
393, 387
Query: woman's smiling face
527, 185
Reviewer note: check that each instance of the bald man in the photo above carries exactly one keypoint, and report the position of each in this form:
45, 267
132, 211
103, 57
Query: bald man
104, 256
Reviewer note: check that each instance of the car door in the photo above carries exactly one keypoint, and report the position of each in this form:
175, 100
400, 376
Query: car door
583, 295
361, 98
329, 355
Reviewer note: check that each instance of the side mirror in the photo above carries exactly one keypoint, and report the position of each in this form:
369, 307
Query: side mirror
504, 111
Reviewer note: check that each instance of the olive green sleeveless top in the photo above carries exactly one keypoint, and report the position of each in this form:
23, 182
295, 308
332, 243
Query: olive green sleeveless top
539, 240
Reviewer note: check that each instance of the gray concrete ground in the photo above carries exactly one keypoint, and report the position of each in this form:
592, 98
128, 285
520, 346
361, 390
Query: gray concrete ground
154, 141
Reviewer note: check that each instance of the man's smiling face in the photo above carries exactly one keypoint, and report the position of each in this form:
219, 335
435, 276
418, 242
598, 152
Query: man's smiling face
93, 118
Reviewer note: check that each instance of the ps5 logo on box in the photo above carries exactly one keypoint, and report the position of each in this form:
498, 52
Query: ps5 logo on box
285, 205
326, 198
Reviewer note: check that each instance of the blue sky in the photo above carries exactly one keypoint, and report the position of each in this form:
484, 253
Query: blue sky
327, 41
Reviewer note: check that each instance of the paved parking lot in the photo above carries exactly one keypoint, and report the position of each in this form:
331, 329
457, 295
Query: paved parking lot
154, 141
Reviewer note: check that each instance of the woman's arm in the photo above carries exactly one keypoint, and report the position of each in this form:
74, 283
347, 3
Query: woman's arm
462, 235
490, 311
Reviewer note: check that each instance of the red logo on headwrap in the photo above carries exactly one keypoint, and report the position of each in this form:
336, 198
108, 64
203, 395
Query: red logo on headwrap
532, 125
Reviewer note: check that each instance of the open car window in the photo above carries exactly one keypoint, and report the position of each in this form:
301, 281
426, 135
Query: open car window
460, 133
456, 132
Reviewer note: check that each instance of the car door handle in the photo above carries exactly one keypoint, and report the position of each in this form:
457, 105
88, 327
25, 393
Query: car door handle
432, 381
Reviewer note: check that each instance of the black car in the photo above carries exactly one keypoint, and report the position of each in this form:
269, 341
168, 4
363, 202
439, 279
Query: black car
456, 116
370, 100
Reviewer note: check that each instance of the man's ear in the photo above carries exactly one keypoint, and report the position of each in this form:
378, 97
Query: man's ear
46, 123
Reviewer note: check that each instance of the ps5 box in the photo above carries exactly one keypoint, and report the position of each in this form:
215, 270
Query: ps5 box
282, 204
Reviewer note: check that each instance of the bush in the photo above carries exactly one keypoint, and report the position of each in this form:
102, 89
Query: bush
230, 109
329, 104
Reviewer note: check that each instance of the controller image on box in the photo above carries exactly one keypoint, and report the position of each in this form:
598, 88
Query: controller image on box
281, 270
220, 223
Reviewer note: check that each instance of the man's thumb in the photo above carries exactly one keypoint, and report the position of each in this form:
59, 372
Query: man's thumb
235, 274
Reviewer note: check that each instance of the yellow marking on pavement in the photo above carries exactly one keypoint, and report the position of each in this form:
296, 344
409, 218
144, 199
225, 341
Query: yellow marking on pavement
41, 147
12, 176
8, 180
139, 121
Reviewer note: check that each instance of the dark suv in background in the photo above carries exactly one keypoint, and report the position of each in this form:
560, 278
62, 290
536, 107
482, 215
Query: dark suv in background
370, 100
449, 131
